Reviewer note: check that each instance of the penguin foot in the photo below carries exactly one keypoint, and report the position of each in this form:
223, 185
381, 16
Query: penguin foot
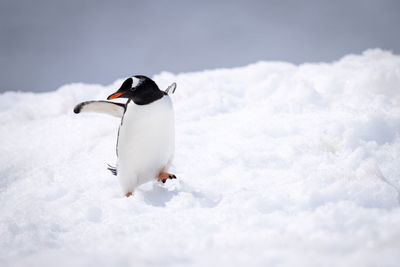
128, 194
163, 176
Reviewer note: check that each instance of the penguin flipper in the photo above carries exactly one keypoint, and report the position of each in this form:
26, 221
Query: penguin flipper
171, 87
110, 108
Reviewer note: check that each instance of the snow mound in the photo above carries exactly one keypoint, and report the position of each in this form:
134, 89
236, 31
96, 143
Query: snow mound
277, 165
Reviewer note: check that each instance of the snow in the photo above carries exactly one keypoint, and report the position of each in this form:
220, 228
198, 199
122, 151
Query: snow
277, 165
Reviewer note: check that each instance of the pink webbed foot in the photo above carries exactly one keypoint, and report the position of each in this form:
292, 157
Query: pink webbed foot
163, 176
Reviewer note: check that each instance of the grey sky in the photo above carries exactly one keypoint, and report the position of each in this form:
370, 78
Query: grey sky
47, 43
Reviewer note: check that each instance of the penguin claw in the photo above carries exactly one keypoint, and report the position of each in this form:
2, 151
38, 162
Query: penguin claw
112, 169
162, 177
128, 194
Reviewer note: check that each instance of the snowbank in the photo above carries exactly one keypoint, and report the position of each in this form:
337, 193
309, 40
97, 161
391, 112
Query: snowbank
278, 165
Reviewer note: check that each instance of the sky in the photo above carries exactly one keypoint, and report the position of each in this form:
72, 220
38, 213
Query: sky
45, 43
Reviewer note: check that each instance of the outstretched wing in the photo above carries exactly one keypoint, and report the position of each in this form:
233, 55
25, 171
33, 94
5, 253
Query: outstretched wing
110, 108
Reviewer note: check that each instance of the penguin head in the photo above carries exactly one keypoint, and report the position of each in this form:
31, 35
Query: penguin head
141, 89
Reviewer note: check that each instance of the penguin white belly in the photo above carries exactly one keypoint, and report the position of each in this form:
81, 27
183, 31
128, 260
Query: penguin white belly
146, 142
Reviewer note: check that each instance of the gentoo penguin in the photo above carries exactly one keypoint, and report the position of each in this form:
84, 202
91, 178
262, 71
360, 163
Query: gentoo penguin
146, 136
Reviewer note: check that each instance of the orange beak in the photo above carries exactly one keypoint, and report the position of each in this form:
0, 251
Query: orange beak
115, 95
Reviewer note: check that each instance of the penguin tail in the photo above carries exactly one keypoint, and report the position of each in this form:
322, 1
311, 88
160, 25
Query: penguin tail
112, 169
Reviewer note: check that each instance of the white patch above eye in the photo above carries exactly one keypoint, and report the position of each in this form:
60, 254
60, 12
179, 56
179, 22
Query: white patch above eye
136, 81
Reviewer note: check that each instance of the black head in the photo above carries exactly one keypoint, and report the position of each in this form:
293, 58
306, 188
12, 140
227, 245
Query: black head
141, 89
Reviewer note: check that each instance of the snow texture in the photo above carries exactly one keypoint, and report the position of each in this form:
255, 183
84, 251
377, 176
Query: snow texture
277, 165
